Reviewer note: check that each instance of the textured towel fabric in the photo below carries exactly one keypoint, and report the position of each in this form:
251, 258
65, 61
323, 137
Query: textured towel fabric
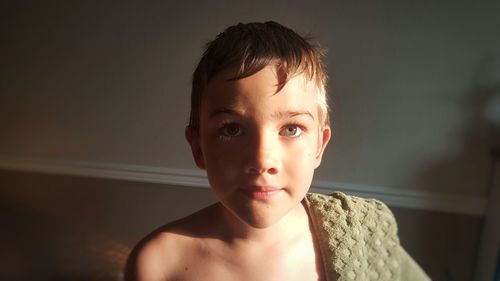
358, 239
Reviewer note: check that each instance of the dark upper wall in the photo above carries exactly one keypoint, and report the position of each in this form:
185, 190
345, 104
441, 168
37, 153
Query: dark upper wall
109, 82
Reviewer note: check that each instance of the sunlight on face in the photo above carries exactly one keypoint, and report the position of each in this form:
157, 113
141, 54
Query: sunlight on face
260, 146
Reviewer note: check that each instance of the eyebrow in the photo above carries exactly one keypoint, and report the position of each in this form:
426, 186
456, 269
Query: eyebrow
224, 111
292, 113
277, 115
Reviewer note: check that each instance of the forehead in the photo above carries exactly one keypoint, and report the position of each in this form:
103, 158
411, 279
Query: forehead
265, 89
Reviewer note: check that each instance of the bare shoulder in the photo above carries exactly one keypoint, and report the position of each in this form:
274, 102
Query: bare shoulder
154, 258
162, 254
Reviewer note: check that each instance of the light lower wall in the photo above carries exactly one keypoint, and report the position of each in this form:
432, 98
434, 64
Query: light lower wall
78, 228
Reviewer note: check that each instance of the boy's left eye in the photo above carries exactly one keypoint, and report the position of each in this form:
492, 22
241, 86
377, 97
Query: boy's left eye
291, 131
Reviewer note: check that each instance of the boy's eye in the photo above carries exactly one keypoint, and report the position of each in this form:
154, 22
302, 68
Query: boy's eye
230, 130
291, 131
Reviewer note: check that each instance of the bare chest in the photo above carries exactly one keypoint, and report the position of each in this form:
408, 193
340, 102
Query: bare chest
298, 263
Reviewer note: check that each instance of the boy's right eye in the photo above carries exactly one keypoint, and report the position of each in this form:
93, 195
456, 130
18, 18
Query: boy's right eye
230, 130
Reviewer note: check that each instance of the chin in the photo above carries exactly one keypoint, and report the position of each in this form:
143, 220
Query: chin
262, 219
259, 214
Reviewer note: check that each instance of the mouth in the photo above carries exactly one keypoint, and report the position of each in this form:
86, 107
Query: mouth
261, 192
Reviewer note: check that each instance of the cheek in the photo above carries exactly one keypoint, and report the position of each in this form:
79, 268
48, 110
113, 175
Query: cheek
219, 153
221, 162
301, 157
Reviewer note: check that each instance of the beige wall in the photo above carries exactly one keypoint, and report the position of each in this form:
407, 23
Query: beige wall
72, 228
109, 82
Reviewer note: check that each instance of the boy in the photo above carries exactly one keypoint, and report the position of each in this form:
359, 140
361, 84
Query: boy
259, 126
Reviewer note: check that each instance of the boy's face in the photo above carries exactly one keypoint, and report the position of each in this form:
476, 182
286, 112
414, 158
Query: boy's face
259, 146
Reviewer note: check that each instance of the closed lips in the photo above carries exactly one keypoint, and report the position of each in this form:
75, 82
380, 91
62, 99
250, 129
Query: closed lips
262, 189
261, 193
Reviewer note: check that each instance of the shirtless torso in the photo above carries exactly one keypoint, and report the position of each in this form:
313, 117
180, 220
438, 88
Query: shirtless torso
201, 247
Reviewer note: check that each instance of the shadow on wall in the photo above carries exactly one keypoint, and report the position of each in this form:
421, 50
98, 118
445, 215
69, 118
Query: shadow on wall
469, 169
471, 162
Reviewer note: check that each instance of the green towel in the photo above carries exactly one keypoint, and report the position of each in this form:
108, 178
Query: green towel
358, 239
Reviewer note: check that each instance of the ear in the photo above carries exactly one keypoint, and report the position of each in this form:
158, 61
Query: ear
324, 138
193, 138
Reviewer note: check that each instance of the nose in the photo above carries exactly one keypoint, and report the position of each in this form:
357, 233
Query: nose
262, 154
